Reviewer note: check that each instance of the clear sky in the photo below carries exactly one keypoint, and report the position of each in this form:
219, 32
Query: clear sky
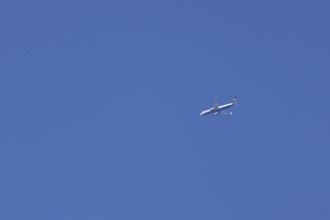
100, 103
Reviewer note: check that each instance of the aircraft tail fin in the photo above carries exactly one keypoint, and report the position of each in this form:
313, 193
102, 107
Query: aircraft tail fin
234, 100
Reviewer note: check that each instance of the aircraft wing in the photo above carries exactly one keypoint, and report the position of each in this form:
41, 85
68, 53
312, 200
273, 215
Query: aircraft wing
216, 103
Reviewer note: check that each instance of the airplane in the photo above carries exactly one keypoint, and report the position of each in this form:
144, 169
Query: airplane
216, 110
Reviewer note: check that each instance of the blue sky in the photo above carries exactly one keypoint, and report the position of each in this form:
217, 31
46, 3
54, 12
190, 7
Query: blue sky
100, 104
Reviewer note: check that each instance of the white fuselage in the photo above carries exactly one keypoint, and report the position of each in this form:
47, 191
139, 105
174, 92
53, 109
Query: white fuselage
217, 110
